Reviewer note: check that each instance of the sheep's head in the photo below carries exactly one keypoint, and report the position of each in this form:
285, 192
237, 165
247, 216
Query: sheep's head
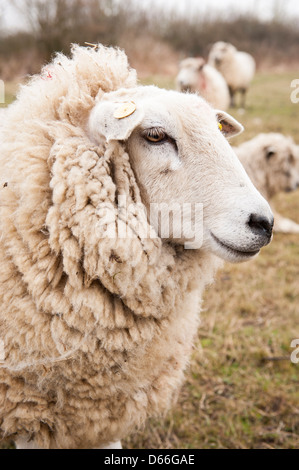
189, 73
280, 160
220, 52
179, 153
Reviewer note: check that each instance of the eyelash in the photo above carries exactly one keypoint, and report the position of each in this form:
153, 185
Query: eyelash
156, 132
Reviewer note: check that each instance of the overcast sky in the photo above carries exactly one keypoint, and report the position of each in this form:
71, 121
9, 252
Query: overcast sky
265, 8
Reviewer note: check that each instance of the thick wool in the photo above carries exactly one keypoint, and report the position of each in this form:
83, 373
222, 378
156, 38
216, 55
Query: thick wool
97, 331
2, 115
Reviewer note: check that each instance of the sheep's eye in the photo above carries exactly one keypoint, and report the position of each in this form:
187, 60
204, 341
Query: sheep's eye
291, 159
155, 135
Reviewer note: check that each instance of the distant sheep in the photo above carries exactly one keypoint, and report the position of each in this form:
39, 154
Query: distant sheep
99, 308
238, 68
272, 162
197, 76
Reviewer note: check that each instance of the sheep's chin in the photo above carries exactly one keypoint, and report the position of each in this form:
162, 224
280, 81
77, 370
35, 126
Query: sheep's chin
228, 253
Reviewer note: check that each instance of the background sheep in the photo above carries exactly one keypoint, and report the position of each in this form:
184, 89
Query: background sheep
197, 76
271, 161
238, 68
98, 329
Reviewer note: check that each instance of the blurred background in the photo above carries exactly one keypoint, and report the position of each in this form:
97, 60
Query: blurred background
241, 390
154, 33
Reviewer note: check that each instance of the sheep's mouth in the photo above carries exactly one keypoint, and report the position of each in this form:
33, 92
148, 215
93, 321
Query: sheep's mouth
236, 253
186, 89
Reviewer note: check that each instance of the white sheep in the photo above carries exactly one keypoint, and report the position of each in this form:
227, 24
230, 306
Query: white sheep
238, 68
272, 162
2, 115
197, 76
98, 309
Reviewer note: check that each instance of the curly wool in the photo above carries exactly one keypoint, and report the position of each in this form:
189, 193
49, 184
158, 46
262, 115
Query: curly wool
97, 331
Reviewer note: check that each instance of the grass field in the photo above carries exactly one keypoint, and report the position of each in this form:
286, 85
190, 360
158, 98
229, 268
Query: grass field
241, 390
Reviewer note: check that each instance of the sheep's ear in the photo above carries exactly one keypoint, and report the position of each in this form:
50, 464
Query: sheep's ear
228, 125
114, 120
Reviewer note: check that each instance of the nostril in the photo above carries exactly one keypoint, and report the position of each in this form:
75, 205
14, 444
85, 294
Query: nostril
261, 225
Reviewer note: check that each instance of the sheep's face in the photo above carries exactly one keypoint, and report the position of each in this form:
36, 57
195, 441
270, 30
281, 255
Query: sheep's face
281, 164
220, 52
180, 156
188, 78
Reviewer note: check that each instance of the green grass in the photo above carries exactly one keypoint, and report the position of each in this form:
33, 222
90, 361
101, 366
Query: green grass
10, 93
241, 389
159, 80
269, 106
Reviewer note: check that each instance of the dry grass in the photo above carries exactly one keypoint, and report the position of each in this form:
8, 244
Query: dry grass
241, 390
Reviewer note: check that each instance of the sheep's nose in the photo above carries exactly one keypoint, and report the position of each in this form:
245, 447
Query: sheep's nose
261, 226
184, 87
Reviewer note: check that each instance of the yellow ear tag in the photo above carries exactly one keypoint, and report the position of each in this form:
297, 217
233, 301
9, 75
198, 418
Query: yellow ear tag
220, 126
126, 109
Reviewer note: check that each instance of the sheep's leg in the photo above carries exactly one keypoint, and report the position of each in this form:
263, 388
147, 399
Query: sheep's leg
113, 445
243, 97
232, 97
22, 443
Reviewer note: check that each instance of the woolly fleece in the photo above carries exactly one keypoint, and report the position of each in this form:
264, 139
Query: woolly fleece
97, 331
